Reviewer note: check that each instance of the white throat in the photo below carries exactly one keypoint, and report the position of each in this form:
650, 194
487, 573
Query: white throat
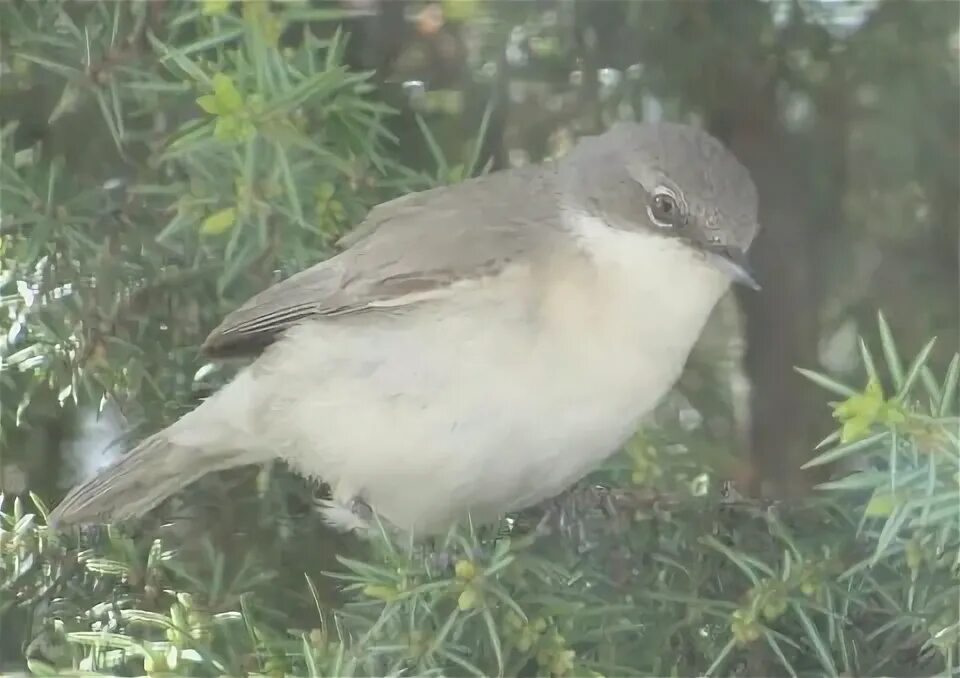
648, 262
662, 291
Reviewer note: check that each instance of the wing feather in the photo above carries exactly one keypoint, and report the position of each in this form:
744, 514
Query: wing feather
404, 250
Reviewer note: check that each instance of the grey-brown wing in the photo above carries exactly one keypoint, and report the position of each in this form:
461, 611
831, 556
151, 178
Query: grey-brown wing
416, 244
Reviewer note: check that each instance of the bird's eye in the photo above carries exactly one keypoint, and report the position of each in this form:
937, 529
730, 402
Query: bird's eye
664, 210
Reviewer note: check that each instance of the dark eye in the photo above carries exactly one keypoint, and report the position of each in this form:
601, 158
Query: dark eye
664, 210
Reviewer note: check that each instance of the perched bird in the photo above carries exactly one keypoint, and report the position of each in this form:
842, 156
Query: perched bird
474, 348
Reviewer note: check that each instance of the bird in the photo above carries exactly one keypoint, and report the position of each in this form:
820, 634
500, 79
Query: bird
472, 349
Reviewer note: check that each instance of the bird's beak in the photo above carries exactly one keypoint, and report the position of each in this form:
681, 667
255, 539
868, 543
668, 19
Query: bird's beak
733, 262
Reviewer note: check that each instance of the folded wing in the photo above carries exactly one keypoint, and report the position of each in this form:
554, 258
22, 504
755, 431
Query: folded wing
407, 251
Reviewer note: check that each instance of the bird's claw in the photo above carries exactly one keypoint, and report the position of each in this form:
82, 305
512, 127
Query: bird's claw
352, 515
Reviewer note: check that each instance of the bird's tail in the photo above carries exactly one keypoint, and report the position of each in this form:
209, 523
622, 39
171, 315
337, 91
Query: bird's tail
164, 463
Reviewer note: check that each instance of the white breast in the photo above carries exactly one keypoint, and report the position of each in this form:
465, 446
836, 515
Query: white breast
482, 403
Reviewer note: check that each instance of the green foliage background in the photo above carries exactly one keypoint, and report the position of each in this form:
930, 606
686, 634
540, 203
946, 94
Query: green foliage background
162, 161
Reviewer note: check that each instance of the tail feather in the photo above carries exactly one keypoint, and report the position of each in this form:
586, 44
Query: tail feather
213, 437
136, 483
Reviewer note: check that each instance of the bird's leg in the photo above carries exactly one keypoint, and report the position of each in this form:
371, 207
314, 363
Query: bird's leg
347, 511
361, 509
574, 514
437, 559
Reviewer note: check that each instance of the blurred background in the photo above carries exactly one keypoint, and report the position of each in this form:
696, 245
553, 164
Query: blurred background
133, 217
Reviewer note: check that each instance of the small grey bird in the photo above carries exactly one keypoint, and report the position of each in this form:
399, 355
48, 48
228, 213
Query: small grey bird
475, 348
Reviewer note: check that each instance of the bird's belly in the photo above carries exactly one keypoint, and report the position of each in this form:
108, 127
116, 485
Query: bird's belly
478, 419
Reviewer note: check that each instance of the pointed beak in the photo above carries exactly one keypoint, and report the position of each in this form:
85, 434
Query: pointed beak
733, 262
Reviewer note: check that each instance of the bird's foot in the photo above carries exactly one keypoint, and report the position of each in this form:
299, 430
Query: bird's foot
578, 515
349, 515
